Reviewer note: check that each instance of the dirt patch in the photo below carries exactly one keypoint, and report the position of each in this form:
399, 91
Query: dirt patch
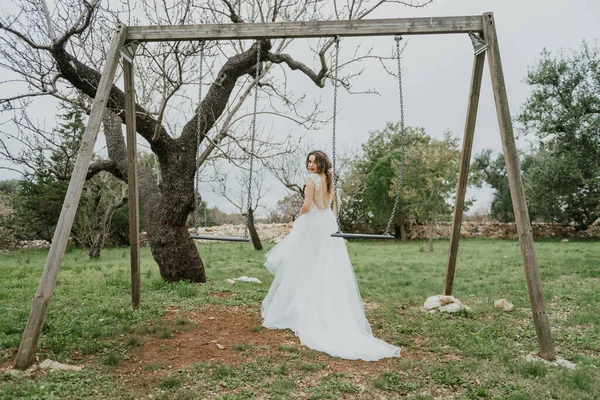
221, 295
218, 334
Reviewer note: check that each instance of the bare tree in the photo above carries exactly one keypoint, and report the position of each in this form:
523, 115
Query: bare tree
290, 168
102, 196
59, 52
289, 206
235, 191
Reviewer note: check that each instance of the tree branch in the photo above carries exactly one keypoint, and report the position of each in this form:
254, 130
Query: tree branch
104, 165
80, 25
317, 78
236, 19
24, 38
86, 80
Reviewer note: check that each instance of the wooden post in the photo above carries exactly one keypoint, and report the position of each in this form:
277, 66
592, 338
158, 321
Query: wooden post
132, 180
517, 192
463, 173
26, 354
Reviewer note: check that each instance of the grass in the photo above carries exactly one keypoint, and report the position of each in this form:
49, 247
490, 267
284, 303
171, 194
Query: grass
475, 355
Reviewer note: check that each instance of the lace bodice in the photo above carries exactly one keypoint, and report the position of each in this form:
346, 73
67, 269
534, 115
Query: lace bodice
321, 199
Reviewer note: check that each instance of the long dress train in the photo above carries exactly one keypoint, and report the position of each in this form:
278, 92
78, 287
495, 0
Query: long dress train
315, 293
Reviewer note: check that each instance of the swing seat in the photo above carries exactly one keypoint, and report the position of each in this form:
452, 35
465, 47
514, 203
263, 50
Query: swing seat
341, 234
221, 238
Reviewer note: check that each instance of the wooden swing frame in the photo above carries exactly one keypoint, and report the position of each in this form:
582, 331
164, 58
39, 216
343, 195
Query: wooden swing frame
482, 25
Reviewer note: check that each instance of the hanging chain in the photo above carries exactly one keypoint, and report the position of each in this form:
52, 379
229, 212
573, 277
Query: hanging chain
335, 171
253, 135
403, 135
198, 141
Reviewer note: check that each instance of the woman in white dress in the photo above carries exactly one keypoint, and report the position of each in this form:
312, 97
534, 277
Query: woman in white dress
314, 292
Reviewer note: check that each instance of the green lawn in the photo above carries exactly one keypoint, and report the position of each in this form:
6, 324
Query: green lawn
471, 356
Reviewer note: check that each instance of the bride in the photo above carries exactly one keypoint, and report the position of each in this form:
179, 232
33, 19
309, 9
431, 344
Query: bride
314, 292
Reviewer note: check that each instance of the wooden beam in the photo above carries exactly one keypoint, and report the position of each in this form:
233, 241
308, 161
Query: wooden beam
306, 29
26, 354
463, 173
132, 180
517, 192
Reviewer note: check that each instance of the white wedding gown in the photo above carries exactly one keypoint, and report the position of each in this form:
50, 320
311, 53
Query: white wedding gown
315, 293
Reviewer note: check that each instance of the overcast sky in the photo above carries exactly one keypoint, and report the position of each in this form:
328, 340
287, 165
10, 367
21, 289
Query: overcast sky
437, 71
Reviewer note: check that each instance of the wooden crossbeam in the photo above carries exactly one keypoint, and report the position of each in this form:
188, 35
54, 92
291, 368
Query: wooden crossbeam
307, 29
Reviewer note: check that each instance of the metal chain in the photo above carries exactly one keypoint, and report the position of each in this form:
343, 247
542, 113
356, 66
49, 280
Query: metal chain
198, 141
253, 134
403, 136
335, 171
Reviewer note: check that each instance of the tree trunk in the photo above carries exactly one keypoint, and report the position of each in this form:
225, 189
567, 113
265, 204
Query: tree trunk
403, 235
95, 250
164, 216
253, 233
431, 235
175, 253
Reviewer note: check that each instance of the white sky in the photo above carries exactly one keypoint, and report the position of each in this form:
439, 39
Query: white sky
437, 71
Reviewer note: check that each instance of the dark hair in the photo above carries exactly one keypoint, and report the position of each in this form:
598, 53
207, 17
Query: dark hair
323, 166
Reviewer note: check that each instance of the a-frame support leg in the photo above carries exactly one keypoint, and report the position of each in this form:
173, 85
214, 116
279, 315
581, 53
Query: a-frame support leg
43, 295
132, 180
517, 192
463, 174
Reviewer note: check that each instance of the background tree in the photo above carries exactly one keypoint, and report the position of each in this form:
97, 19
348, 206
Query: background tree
430, 177
493, 168
562, 114
432, 174
102, 196
559, 189
60, 52
290, 169
289, 206
47, 160
235, 191
37, 207
8, 190
9, 186
366, 187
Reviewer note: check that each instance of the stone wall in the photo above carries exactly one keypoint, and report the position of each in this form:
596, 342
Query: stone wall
493, 230
500, 230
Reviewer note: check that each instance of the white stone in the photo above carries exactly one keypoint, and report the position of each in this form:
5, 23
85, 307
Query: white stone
448, 304
231, 281
432, 302
247, 279
56, 366
559, 362
438, 301
220, 346
450, 308
504, 305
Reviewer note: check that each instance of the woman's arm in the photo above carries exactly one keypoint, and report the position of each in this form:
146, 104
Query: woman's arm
309, 190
